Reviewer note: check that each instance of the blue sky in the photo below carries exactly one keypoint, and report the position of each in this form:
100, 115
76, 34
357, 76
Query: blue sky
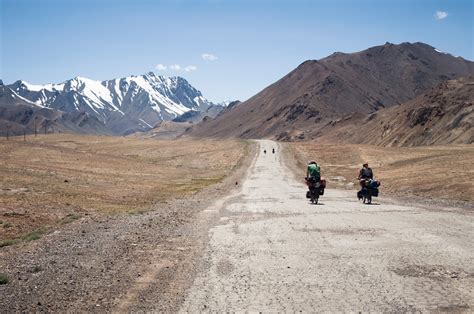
255, 42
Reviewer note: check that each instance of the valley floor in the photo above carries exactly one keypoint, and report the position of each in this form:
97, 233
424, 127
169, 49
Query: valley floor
116, 258
51, 180
251, 243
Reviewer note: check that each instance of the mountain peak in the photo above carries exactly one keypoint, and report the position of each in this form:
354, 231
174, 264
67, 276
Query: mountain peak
318, 92
19, 82
82, 79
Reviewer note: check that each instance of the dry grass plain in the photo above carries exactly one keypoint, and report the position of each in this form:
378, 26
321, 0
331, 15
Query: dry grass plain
440, 172
55, 179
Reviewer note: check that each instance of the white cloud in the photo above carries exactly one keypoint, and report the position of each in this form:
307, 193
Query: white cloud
190, 68
175, 67
209, 57
161, 67
441, 15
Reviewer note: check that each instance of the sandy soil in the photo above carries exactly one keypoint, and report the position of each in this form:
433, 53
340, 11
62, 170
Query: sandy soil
272, 251
52, 180
121, 263
421, 173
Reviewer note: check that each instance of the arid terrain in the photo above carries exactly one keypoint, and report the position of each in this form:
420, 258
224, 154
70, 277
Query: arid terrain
157, 156
434, 172
51, 180
144, 223
443, 115
249, 242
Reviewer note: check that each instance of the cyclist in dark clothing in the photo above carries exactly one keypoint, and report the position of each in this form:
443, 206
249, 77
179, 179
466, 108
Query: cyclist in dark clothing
365, 174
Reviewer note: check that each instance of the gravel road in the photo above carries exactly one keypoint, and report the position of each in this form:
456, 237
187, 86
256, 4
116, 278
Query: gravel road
270, 250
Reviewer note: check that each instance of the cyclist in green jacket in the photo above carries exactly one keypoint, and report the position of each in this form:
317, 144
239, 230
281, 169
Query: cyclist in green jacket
313, 170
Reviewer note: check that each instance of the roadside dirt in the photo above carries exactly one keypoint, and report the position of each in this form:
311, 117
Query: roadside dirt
436, 175
52, 180
104, 263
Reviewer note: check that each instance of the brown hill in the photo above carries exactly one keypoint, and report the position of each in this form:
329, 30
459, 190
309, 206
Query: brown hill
444, 115
341, 84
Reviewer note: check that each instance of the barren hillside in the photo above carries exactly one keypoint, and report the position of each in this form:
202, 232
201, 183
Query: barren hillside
444, 115
318, 91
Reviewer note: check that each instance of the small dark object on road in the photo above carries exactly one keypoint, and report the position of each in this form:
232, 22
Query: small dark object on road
3, 279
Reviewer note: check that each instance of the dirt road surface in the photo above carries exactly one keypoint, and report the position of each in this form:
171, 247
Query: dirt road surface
270, 250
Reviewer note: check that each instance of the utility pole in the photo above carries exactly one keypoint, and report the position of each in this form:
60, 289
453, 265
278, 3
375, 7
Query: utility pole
36, 125
8, 131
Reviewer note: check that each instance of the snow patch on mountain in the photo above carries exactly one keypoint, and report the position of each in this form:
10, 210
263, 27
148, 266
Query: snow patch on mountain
48, 87
15, 95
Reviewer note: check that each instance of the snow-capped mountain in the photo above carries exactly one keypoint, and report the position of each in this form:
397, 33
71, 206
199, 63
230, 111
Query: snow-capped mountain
124, 105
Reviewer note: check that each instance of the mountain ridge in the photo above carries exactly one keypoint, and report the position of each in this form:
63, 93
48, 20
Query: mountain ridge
318, 91
125, 105
18, 116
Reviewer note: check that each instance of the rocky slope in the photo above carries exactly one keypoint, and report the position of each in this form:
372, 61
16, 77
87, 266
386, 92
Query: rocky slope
196, 116
319, 91
444, 115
